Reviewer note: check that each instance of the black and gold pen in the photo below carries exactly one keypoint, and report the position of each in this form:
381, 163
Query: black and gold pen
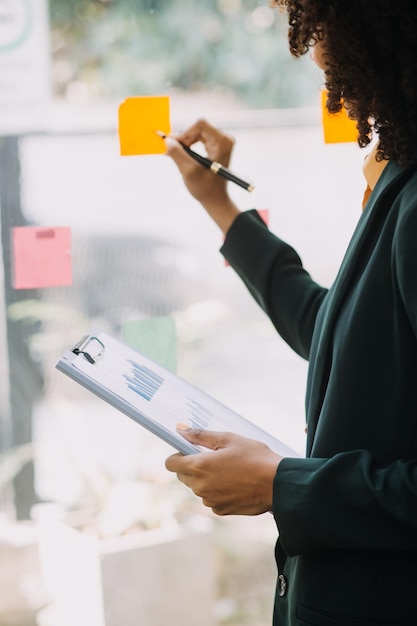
213, 166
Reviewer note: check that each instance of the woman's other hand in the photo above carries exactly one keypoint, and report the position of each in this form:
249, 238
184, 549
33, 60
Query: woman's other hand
234, 478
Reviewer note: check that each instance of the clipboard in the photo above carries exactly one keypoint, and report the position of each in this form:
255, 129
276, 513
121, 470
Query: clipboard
153, 396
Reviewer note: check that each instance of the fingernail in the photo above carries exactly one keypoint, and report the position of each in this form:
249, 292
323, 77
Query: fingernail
182, 426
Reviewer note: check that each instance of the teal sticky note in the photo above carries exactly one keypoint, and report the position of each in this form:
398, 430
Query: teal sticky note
154, 337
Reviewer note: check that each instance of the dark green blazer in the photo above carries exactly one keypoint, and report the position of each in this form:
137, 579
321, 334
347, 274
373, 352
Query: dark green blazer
347, 514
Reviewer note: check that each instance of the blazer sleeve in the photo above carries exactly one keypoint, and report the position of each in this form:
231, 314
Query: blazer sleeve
346, 502
273, 273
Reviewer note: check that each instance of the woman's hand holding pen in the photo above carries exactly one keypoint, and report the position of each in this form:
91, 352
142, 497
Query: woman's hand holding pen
234, 478
209, 190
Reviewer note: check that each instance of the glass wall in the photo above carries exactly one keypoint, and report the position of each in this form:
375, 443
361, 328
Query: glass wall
93, 529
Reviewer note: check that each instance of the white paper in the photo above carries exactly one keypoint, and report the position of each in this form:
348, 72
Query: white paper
164, 397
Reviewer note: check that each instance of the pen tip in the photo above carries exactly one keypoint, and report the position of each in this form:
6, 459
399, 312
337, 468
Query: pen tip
161, 134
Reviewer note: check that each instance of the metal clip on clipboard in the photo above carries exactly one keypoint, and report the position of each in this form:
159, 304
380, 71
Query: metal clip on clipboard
91, 355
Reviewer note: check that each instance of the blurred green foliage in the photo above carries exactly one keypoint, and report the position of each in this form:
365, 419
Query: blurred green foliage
117, 48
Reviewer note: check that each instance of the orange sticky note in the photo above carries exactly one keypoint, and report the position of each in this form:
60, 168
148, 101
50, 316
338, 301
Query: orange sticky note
139, 118
337, 127
41, 257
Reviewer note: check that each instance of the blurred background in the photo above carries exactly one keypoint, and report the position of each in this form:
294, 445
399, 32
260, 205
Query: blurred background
93, 530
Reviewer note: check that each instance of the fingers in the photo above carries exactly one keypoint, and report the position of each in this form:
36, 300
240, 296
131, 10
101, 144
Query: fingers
184, 468
187, 466
210, 190
207, 438
171, 461
218, 145
234, 476
184, 162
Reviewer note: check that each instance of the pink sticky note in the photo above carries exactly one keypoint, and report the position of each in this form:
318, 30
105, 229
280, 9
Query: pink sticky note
264, 214
41, 257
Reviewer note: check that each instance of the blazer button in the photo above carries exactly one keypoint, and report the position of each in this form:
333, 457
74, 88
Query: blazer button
282, 585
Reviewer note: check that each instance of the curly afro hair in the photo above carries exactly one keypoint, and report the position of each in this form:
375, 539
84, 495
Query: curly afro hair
371, 64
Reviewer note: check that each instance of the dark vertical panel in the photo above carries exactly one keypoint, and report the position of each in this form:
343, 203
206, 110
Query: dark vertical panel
24, 379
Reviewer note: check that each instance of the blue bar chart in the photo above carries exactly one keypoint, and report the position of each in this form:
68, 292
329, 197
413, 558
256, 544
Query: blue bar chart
199, 416
143, 381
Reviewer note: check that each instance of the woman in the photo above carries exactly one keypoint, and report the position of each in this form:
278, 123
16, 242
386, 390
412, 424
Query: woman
346, 514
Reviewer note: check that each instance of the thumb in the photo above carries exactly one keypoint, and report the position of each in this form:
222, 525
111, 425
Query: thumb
208, 438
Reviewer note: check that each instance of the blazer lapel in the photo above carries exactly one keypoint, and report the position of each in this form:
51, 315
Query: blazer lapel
362, 241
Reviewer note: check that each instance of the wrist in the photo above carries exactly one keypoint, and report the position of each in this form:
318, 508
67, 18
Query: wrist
223, 212
271, 464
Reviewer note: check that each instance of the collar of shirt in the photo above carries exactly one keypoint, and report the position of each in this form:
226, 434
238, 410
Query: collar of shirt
372, 170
